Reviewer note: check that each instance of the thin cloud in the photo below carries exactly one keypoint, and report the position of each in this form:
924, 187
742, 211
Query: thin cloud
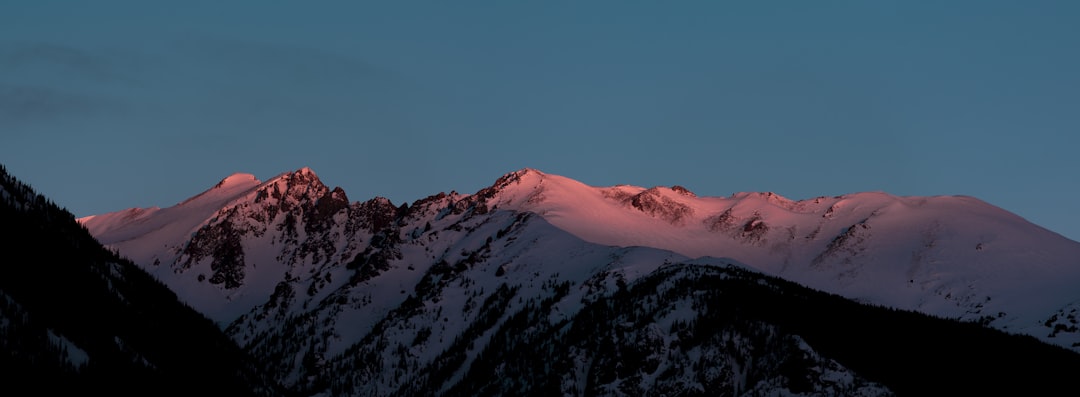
62, 59
295, 65
46, 82
20, 104
238, 81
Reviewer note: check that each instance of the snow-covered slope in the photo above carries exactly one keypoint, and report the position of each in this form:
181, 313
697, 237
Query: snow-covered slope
310, 282
169, 224
952, 256
225, 250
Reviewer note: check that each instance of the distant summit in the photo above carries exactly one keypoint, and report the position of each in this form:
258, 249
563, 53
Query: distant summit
237, 179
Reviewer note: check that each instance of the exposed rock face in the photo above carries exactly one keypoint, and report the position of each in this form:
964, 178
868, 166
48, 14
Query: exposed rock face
654, 203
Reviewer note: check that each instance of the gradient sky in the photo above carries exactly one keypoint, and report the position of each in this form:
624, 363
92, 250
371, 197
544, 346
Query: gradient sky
106, 105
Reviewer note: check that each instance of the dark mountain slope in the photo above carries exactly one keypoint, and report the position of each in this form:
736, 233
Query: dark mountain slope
690, 329
77, 318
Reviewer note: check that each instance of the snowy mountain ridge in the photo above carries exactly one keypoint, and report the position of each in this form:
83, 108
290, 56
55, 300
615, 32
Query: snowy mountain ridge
392, 295
945, 255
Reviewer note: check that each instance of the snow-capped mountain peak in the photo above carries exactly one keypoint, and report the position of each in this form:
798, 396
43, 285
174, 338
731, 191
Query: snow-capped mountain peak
230, 248
239, 178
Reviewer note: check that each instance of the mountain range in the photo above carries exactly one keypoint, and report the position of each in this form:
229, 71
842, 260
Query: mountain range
226, 249
539, 284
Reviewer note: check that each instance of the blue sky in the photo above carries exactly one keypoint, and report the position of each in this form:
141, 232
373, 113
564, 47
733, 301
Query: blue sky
108, 105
